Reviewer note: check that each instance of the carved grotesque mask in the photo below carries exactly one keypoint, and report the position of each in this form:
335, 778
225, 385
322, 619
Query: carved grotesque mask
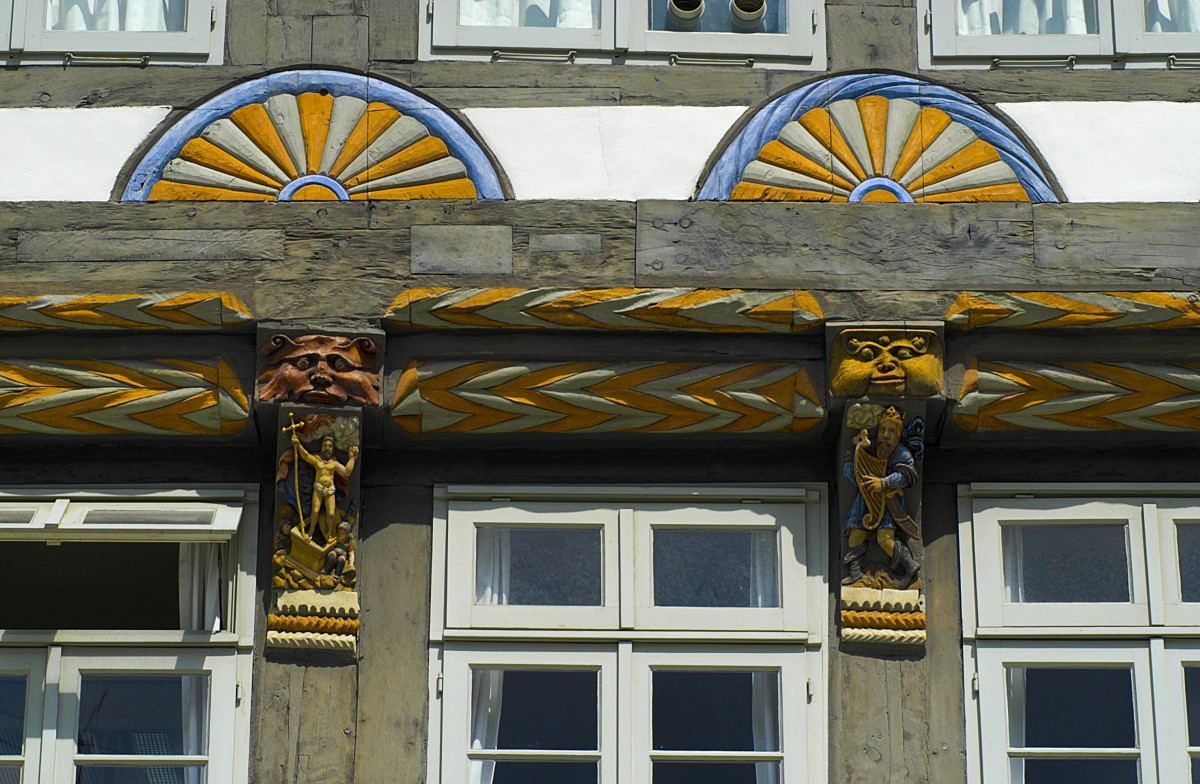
886, 362
320, 369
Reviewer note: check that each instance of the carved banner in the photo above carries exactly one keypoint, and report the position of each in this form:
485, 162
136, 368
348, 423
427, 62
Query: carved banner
465, 396
176, 311
200, 397
1049, 310
669, 309
1080, 396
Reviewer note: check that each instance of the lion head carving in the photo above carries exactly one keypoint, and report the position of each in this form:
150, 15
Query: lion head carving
320, 369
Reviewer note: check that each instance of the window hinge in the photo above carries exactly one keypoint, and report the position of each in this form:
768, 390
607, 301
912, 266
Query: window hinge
428, 9
439, 685
212, 18
928, 20
809, 689
814, 15
237, 693
975, 684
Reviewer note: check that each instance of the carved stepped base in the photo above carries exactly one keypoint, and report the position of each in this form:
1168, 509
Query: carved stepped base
314, 620
882, 616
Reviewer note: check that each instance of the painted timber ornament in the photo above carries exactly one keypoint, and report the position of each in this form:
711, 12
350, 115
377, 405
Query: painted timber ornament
321, 369
876, 138
189, 311
1075, 309
886, 361
315, 136
315, 574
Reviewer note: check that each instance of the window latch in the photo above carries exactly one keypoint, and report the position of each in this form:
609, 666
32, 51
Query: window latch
429, 9
212, 18
975, 684
814, 18
439, 685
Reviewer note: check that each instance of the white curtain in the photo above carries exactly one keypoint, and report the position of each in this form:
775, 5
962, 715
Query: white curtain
1173, 16
583, 14
493, 568
113, 15
1025, 17
764, 701
200, 587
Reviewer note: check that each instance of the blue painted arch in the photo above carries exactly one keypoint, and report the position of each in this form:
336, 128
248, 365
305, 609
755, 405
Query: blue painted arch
458, 140
768, 121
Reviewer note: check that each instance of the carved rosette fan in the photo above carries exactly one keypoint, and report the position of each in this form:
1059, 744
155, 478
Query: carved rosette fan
876, 149
314, 147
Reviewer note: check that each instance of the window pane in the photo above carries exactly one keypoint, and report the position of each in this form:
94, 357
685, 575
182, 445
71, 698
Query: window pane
702, 568
543, 773
132, 15
1061, 771
1187, 535
1071, 707
92, 582
1195, 770
535, 709
164, 517
106, 774
715, 772
538, 566
530, 13
1066, 563
12, 714
719, 16
1028, 17
1191, 688
1172, 16
715, 711
143, 714
10, 774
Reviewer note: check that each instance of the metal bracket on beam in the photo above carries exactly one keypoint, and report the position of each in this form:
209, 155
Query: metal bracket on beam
1067, 63
568, 57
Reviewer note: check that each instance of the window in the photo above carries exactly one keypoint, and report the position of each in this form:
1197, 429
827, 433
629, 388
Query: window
628, 634
997, 30
174, 31
633, 28
1081, 613
129, 660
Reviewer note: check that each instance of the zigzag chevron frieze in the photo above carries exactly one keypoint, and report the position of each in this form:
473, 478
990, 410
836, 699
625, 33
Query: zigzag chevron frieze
207, 310
200, 397
462, 396
1080, 396
1049, 310
664, 309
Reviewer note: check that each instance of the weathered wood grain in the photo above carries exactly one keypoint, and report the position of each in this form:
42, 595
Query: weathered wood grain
246, 32
305, 724
830, 246
865, 35
393, 697
392, 29
340, 40
289, 40
131, 245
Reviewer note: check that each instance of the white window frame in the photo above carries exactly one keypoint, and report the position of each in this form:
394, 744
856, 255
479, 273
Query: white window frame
990, 519
32, 665
624, 654
23, 33
56, 657
995, 659
1156, 649
625, 31
1120, 34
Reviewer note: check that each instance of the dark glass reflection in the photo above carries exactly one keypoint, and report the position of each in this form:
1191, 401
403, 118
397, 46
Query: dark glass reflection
712, 772
546, 566
143, 714
192, 774
10, 774
707, 711
1188, 538
546, 773
700, 568
1191, 690
1066, 563
1076, 707
12, 714
549, 709
1080, 771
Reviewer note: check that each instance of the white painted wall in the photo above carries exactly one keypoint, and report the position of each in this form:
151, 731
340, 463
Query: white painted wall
608, 152
69, 154
1114, 151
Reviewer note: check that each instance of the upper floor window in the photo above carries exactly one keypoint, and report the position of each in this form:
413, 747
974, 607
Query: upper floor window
615, 635
997, 30
744, 29
129, 658
153, 30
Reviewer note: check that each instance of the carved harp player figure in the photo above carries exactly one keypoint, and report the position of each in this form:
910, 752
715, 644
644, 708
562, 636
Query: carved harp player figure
881, 472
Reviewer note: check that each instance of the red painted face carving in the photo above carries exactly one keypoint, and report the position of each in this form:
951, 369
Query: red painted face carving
320, 369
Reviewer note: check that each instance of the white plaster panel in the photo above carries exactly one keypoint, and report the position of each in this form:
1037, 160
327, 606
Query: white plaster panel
1144, 151
622, 153
70, 154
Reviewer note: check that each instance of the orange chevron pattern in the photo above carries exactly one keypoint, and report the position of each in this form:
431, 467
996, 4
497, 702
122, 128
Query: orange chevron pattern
176, 311
498, 396
673, 309
147, 397
1080, 396
1052, 310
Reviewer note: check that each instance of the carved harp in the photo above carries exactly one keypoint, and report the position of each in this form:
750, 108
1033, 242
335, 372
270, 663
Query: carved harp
865, 465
